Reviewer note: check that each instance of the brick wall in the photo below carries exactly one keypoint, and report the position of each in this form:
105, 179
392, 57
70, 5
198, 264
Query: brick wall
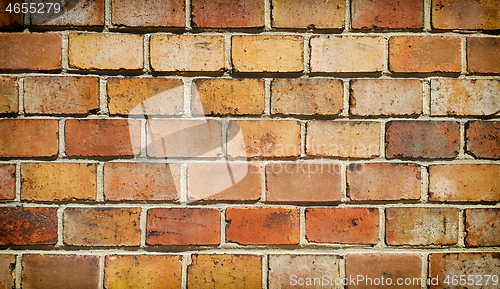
248, 144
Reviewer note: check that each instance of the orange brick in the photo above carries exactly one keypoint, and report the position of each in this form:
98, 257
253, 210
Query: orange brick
378, 181
8, 271
483, 139
230, 181
464, 97
135, 271
7, 182
483, 55
227, 13
386, 97
347, 54
58, 181
407, 139
398, 14
425, 54
224, 271
29, 137
303, 182
80, 13
219, 96
102, 227
343, 139
184, 138
464, 183
28, 226
145, 96
317, 14
11, 20
187, 53
308, 96
421, 226
482, 227
266, 225
263, 138
9, 94
17, 51
183, 226
110, 51
268, 53
144, 13
103, 137
375, 267
61, 95
342, 225
57, 271
465, 14
141, 182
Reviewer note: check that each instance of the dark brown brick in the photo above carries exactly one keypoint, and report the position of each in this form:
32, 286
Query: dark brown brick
28, 226
483, 139
483, 55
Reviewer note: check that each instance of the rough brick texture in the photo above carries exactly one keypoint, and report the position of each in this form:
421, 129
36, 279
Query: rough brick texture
406, 14
483, 55
483, 227
227, 13
483, 139
28, 138
143, 13
28, 226
7, 182
465, 14
9, 94
318, 14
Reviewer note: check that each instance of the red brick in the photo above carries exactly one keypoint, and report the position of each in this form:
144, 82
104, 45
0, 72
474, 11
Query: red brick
308, 14
398, 14
464, 97
483, 55
425, 54
344, 139
183, 226
483, 139
135, 271
347, 54
7, 271
406, 139
29, 137
57, 271
442, 265
58, 181
17, 51
375, 267
28, 226
184, 138
102, 227
482, 227
263, 138
188, 53
266, 225
229, 181
383, 181
103, 137
7, 182
268, 53
464, 183
9, 94
61, 95
465, 14
228, 13
80, 13
307, 96
141, 182
110, 51
219, 96
303, 182
143, 13
342, 225
386, 97
225, 271
421, 226
10, 19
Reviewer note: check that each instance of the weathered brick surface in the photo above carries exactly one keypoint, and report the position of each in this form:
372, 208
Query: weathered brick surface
227, 13
464, 183
143, 13
136, 271
483, 55
7, 271
7, 182
406, 14
183, 226
28, 226
303, 182
102, 227
465, 14
266, 225
310, 14
421, 226
28, 137
10, 20
9, 94
342, 225
79, 13
483, 139
58, 181
307, 96
482, 227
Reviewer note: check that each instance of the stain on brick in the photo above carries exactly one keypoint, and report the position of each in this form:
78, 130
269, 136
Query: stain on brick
482, 227
8, 271
28, 226
9, 94
482, 139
